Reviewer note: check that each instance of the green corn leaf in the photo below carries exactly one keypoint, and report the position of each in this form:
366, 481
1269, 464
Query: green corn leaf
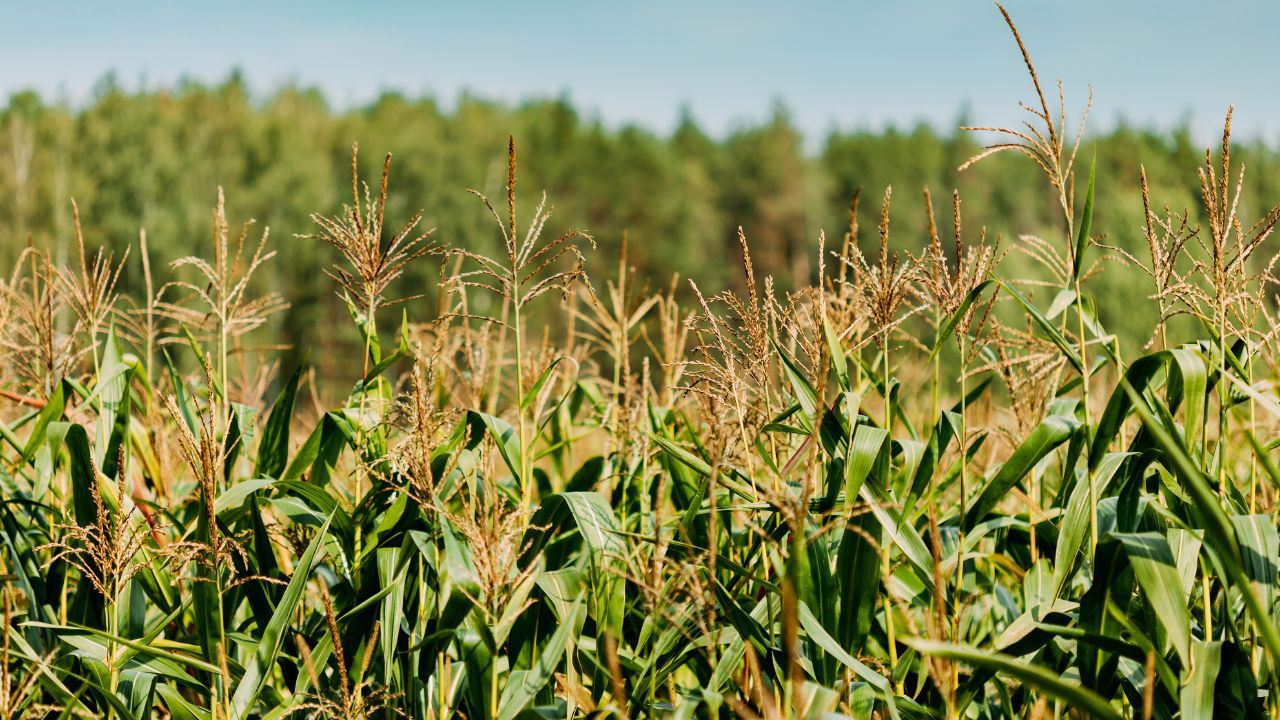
819, 635
273, 635
1219, 533
805, 393
532, 393
839, 361
1074, 526
505, 439
1049, 434
203, 360
234, 497
858, 568
180, 393
1197, 693
1046, 327
1046, 681
903, 534
163, 661
595, 523
864, 453
392, 574
686, 458
519, 692
52, 410
949, 327
1260, 550
320, 452
746, 627
179, 707
273, 448
1156, 571
113, 401
1086, 224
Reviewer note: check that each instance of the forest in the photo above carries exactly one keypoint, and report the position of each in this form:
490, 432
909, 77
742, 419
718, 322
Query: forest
154, 160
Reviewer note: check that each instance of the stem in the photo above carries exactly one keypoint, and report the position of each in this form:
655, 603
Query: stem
891, 636
570, 706
369, 329
493, 687
223, 683
113, 673
495, 381
1088, 422
1253, 457
937, 385
225, 405
1224, 398
964, 487
937, 365
948, 693
1208, 613
104, 432
443, 673
655, 571
526, 482
151, 317
888, 410
1161, 329
619, 347
888, 601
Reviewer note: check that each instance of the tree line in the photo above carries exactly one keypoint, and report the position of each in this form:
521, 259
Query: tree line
155, 159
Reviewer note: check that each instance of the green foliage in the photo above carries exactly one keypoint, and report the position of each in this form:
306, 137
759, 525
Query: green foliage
818, 497
154, 159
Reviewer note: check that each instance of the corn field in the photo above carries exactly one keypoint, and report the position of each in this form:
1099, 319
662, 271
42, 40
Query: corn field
915, 488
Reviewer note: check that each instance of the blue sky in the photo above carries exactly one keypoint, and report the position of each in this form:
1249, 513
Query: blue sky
845, 64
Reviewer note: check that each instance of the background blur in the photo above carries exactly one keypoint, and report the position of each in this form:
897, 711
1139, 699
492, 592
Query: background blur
674, 122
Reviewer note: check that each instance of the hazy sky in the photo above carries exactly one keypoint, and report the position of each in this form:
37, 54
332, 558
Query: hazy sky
834, 63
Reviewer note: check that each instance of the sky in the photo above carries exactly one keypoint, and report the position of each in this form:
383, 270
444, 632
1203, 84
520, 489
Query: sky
852, 64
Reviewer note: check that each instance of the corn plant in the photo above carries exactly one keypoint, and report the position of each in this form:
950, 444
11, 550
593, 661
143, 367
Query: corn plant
914, 487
